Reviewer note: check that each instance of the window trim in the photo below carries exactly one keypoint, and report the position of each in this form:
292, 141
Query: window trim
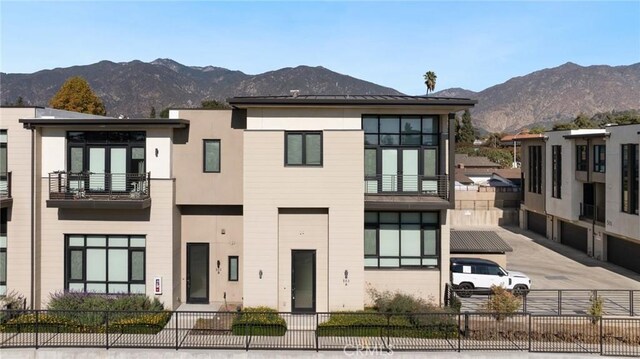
304, 148
237, 259
598, 165
204, 154
582, 165
67, 261
535, 169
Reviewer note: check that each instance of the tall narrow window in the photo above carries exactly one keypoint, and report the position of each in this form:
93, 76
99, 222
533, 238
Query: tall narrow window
629, 178
303, 149
233, 268
599, 158
556, 174
211, 155
582, 158
535, 169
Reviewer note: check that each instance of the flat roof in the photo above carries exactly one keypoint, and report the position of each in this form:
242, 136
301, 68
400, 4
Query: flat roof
342, 100
478, 242
588, 135
120, 122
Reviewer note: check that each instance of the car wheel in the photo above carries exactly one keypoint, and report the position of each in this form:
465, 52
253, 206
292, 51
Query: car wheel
465, 290
520, 290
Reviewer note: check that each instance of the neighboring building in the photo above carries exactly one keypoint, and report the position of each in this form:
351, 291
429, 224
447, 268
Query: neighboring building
478, 169
479, 244
590, 200
298, 203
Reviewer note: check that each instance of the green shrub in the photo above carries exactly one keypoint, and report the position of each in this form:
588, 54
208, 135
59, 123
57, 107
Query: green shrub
501, 303
147, 323
455, 304
46, 323
596, 307
258, 321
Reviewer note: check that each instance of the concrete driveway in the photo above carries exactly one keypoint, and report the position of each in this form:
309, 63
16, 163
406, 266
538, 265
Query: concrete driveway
551, 265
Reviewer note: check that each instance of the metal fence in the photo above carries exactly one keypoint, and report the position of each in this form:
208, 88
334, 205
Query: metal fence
620, 302
362, 331
102, 186
434, 186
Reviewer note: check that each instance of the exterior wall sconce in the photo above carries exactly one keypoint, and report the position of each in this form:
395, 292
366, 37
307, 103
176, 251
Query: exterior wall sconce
346, 277
218, 266
260, 273
157, 152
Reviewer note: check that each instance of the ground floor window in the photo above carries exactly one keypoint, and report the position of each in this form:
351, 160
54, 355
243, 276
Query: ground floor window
105, 263
402, 239
233, 268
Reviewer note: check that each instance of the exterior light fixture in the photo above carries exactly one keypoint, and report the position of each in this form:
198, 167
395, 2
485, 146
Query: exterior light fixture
260, 273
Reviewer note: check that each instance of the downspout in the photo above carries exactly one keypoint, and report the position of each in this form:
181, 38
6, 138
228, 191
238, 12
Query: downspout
33, 232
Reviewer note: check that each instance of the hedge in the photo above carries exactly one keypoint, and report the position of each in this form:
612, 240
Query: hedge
262, 321
368, 324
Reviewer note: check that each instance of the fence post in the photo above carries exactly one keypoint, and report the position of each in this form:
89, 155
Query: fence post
106, 329
175, 323
459, 334
529, 315
246, 335
317, 323
631, 312
388, 325
601, 335
524, 302
466, 323
37, 319
559, 302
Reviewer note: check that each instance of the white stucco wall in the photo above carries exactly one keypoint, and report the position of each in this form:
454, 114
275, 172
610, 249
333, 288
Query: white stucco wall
54, 153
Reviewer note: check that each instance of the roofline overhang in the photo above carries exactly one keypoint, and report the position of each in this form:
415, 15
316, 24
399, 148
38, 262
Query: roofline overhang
30, 123
246, 102
588, 135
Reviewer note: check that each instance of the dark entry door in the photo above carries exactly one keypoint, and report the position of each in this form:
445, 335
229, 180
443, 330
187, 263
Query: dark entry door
198, 273
303, 280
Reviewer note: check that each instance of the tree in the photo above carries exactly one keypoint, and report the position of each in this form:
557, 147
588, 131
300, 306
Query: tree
465, 133
430, 81
164, 113
494, 139
20, 101
536, 130
76, 95
213, 104
152, 114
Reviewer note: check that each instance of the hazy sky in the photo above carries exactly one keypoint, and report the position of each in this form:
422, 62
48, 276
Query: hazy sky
468, 44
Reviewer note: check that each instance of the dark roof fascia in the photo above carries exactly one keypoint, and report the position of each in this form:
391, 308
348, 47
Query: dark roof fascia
588, 135
11, 106
240, 102
128, 122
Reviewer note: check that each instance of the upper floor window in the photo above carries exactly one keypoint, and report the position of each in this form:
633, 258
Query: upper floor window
211, 157
629, 178
401, 239
3, 152
535, 169
303, 149
556, 171
106, 152
400, 130
582, 158
599, 158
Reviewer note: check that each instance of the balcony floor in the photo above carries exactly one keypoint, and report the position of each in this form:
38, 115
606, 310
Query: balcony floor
97, 203
380, 202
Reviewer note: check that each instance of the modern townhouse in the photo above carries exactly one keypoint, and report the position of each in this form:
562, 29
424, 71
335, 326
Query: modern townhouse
591, 193
300, 203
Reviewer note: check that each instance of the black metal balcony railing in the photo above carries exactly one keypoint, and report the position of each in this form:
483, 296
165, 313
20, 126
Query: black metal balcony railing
592, 212
5, 184
435, 186
99, 186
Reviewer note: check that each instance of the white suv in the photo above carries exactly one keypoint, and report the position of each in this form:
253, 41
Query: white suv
475, 275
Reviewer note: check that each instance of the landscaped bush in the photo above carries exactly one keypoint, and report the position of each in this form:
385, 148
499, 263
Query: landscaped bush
502, 303
258, 321
596, 307
372, 324
89, 313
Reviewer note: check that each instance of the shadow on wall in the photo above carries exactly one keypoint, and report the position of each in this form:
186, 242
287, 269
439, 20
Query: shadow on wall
138, 215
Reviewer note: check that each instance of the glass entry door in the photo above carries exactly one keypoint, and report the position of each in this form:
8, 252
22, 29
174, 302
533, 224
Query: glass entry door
198, 273
97, 161
303, 280
400, 170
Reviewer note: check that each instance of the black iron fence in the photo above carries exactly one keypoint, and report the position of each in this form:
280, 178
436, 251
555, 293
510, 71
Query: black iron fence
5, 184
620, 302
362, 331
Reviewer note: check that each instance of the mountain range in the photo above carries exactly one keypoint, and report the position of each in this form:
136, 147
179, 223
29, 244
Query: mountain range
132, 88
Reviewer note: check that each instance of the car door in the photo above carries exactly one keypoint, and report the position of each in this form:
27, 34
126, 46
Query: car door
497, 277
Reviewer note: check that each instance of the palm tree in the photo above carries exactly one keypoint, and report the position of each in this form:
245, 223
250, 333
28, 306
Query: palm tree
430, 81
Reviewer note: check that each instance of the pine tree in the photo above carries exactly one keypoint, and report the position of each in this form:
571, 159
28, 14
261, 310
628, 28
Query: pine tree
465, 133
76, 95
152, 114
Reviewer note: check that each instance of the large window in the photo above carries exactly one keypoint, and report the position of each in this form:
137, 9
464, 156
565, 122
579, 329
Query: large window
211, 156
401, 239
629, 178
535, 169
582, 158
303, 149
401, 154
4, 184
599, 158
3, 251
105, 263
556, 171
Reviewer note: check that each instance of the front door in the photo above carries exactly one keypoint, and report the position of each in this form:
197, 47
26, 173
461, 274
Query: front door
303, 280
198, 273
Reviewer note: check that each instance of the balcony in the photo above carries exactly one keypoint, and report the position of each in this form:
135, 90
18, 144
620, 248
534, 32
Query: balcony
5, 190
592, 213
99, 190
410, 192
